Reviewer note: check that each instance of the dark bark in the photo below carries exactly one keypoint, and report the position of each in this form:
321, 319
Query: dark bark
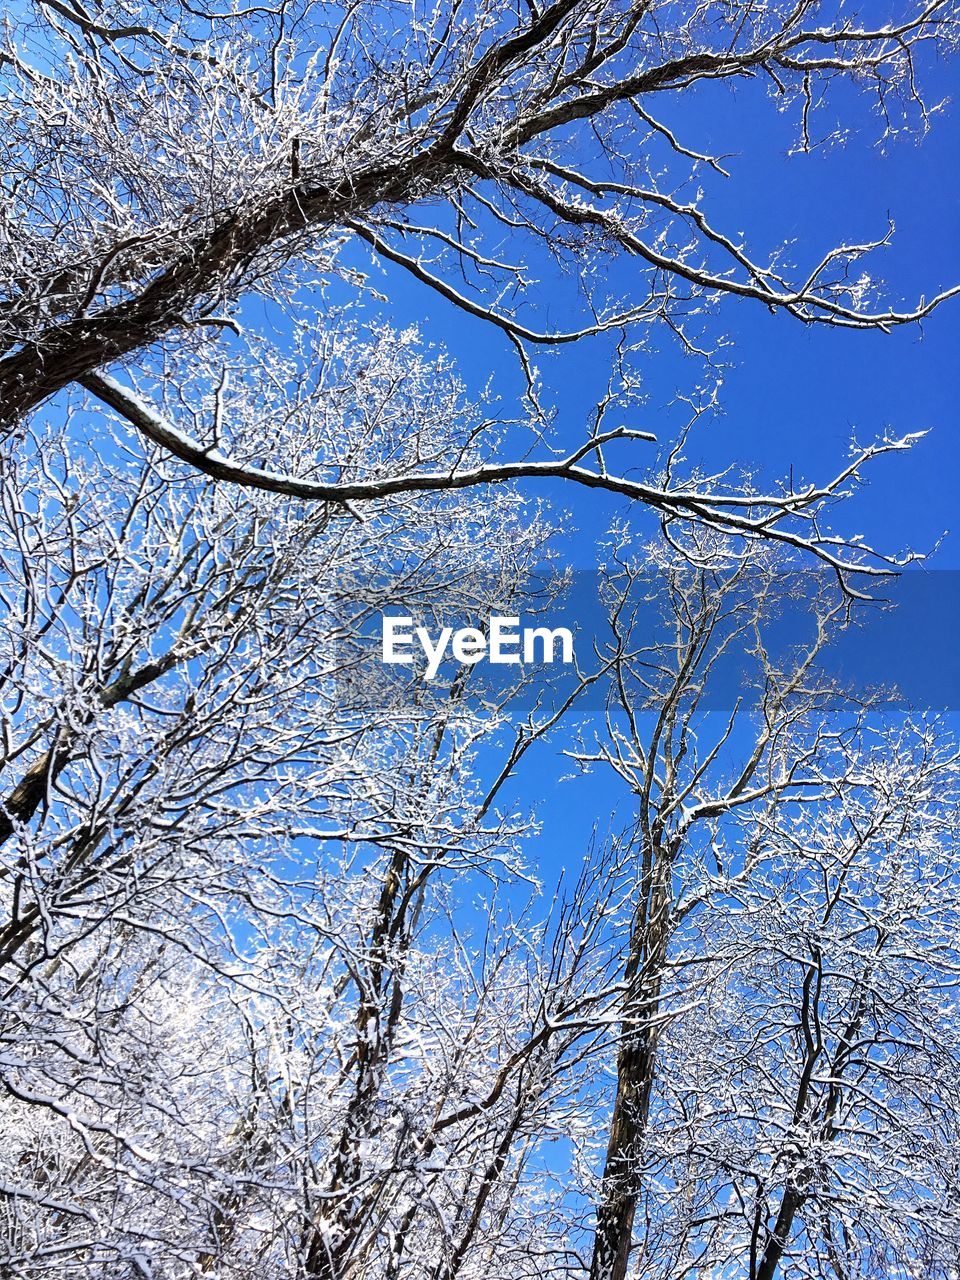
33, 788
330, 1247
29, 793
618, 1204
203, 269
636, 1068
790, 1202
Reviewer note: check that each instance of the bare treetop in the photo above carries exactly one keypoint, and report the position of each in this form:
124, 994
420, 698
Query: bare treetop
163, 163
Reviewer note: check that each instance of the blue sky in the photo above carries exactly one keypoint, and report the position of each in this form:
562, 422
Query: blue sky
794, 394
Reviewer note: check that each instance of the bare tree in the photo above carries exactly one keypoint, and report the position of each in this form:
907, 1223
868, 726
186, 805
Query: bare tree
831, 1147
251, 1024
282, 993
197, 753
167, 164
745, 822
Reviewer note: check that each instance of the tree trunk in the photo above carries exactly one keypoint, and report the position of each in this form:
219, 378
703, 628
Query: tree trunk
636, 1066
